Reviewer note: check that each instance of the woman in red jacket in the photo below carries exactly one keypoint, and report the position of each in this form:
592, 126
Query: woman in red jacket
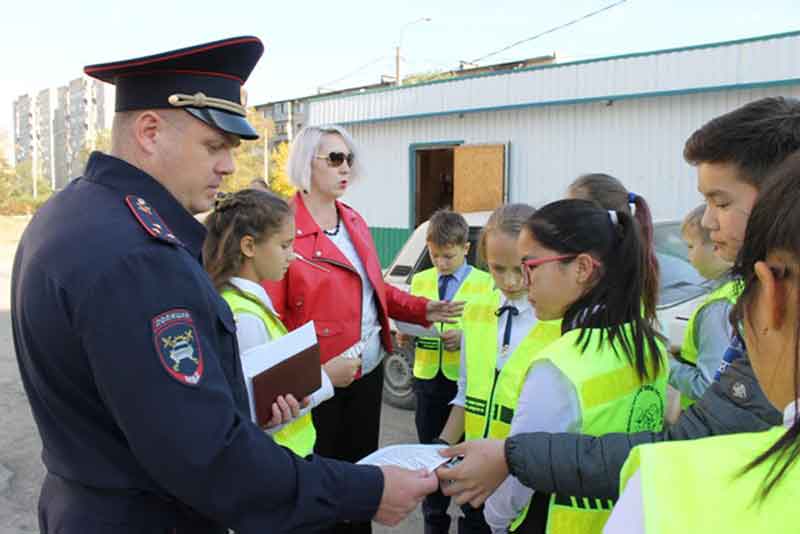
339, 285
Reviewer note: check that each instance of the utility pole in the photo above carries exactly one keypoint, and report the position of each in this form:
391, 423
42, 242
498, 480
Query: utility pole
398, 80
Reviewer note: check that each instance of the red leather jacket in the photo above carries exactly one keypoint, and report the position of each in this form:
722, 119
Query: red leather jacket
331, 295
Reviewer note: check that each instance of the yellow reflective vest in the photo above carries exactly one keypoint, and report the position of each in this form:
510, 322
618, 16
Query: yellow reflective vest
728, 291
611, 398
429, 355
711, 468
300, 435
491, 395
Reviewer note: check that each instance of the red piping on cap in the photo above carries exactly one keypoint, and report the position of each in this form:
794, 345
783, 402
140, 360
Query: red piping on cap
182, 71
136, 63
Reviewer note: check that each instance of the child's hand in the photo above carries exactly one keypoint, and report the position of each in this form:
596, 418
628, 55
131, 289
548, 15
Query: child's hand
402, 339
451, 339
342, 370
284, 409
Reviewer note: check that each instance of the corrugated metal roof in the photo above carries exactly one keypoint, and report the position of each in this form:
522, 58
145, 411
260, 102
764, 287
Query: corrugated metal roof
746, 63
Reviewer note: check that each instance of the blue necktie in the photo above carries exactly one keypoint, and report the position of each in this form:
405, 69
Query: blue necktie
444, 283
512, 312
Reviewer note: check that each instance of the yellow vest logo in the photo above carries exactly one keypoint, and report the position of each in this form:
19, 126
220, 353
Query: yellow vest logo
647, 410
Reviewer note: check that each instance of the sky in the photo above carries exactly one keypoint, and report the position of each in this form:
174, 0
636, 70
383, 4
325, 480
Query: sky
337, 44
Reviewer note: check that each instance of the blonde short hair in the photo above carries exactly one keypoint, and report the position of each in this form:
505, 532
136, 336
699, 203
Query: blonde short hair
304, 147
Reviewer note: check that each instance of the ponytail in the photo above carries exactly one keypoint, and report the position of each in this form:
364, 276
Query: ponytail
609, 193
651, 269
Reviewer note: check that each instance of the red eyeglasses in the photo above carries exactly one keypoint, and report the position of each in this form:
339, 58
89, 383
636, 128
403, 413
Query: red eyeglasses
531, 264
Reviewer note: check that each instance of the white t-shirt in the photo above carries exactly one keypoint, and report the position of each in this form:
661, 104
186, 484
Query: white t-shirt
373, 353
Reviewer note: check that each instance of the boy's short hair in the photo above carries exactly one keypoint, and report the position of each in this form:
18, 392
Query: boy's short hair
694, 220
446, 228
756, 137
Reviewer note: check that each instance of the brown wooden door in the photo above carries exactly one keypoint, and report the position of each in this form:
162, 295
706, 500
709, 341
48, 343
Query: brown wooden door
478, 177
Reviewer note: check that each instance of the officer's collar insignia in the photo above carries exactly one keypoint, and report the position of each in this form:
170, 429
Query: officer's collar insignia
178, 346
150, 220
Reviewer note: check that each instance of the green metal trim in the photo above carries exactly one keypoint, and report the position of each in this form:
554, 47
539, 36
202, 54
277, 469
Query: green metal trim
388, 242
629, 55
412, 173
586, 100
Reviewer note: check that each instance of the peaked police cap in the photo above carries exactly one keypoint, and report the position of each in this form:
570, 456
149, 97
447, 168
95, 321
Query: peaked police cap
206, 80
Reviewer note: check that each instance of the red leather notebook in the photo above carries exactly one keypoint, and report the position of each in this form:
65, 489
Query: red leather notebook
298, 375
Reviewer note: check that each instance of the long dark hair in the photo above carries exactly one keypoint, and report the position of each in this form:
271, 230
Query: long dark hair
247, 212
614, 239
774, 225
610, 194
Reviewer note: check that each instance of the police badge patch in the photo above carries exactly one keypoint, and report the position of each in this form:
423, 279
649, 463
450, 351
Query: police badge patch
178, 346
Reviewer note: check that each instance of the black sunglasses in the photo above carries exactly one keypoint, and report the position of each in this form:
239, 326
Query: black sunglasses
335, 159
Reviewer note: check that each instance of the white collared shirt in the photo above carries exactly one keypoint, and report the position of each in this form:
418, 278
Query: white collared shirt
372, 353
254, 339
520, 326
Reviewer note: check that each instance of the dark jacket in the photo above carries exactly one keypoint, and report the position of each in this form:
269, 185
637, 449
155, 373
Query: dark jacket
589, 466
129, 358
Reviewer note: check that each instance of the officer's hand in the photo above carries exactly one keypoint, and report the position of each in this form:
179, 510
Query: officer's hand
442, 311
479, 473
403, 490
284, 409
451, 339
342, 370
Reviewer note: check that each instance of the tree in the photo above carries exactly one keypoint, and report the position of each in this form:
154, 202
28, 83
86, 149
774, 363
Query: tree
249, 156
278, 178
101, 141
422, 77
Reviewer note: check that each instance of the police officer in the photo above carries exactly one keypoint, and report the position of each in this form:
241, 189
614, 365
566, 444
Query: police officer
128, 354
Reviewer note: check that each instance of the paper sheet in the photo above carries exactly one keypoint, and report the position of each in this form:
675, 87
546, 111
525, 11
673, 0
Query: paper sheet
262, 357
416, 330
408, 456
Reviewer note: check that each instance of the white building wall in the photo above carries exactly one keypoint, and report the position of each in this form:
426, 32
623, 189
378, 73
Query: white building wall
750, 61
640, 141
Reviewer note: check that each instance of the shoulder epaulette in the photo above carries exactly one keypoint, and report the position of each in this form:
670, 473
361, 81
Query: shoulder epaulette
150, 220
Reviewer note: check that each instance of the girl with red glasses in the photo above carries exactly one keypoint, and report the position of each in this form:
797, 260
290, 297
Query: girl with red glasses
583, 266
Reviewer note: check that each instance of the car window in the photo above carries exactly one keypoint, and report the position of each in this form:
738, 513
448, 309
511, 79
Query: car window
680, 281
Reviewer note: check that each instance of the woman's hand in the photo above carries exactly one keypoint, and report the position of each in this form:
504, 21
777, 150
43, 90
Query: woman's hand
285, 409
482, 469
342, 370
442, 311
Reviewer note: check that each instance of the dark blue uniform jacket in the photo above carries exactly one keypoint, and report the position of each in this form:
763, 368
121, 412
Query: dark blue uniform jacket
129, 359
